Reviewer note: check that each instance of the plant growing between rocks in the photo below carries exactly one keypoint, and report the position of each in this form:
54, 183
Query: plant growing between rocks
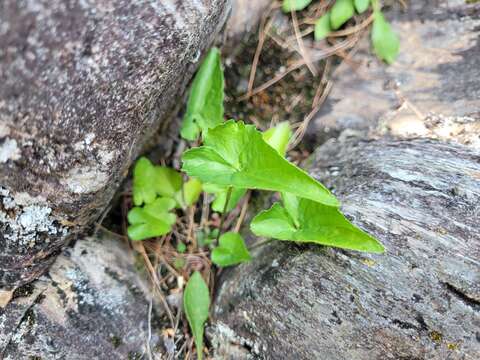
226, 162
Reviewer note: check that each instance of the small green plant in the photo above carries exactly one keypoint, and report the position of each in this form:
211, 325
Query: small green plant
233, 158
384, 40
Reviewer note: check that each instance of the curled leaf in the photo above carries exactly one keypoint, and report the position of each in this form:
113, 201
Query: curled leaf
205, 103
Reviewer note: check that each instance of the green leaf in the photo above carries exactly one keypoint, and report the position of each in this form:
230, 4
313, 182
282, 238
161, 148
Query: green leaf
168, 181
361, 5
385, 42
304, 220
236, 155
196, 302
152, 220
220, 193
322, 27
230, 251
205, 103
191, 191
144, 181
278, 137
340, 13
295, 5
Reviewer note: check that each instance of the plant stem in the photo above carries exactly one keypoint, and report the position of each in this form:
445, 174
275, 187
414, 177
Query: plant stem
222, 219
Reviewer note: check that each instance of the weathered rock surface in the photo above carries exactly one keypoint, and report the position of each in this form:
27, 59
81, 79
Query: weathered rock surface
91, 305
431, 90
82, 85
420, 197
420, 300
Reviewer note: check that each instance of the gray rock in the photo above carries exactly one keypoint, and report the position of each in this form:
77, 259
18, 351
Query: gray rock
436, 75
92, 304
82, 86
420, 300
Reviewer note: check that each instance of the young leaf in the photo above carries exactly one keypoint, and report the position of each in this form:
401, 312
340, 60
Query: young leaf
236, 155
322, 27
205, 103
340, 13
230, 251
144, 182
167, 181
385, 42
304, 220
191, 191
361, 5
295, 5
196, 302
278, 137
152, 220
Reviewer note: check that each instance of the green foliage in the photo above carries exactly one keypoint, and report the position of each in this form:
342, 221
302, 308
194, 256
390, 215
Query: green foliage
220, 193
322, 27
278, 137
196, 302
205, 103
361, 5
385, 42
236, 155
230, 251
152, 220
144, 182
304, 220
191, 192
340, 13
295, 5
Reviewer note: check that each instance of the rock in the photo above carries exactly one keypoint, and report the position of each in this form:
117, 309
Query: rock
420, 300
435, 76
92, 304
245, 17
83, 85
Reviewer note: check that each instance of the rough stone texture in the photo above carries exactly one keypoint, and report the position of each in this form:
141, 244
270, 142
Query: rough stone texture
245, 17
82, 85
421, 300
91, 305
435, 76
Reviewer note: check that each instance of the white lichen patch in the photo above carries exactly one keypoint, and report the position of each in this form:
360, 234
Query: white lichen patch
9, 150
22, 225
85, 180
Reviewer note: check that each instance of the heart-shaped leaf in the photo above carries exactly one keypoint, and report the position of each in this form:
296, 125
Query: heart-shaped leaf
152, 220
168, 181
231, 250
361, 5
295, 5
385, 42
205, 103
304, 220
144, 182
196, 302
236, 155
340, 13
322, 27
